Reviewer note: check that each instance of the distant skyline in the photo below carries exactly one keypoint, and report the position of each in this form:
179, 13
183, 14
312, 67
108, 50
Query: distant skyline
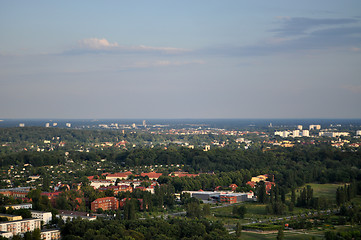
180, 59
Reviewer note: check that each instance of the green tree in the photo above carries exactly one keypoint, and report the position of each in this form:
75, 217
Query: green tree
280, 234
238, 230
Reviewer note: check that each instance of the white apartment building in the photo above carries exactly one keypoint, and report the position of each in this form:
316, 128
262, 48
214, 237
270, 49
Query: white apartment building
299, 127
50, 234
282, 133
317, 127
305, 133
20, 206
358, 132
6, 234
296, 133
333, 134
46, 217
20, 226
97, 183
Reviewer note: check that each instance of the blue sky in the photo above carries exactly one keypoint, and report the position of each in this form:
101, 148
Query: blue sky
180, 59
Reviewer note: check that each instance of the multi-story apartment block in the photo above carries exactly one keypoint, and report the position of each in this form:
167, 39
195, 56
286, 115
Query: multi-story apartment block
20, 206
107, 203
50, 234
20, 226
46, 217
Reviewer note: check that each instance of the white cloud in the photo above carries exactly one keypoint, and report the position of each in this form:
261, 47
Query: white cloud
97, 44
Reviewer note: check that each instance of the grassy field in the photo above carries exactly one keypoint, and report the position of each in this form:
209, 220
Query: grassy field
322, 190
288, 235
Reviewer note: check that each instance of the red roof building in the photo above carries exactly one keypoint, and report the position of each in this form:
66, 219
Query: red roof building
152, 175
117, 189
107, 203
120, 175
233, 187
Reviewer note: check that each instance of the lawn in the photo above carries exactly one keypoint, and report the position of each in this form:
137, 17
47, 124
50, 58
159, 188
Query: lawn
288, 235
320, 190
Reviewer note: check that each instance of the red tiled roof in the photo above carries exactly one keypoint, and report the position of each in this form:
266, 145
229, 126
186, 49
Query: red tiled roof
151, 175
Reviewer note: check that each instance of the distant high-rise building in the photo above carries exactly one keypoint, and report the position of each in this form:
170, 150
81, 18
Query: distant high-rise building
68, 124
296, 133
317, 127
47, 124
55, 124
305, 133
21, 124
299, 127
270, 125
358, 132
144, 123
133, 125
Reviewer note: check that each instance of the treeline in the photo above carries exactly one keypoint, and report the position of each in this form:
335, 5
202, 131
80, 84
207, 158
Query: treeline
144, 229
39, 134
291, 167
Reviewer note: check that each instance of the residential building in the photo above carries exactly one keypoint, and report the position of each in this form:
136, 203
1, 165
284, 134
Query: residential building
117, 189
313, 127
97, 183
120, 175
299, 127
20, 192
333, 134
305, 133
50, 234
107, 203
20, 226
19, 206
152, 175
65, 215
6, 234
10, 217
358, 132
296, 133
46, 217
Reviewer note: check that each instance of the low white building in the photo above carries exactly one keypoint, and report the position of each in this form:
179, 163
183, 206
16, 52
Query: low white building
333, 134
46, 217
20, 226
6, 234
20, 206
97, 183
65, 215
50, 234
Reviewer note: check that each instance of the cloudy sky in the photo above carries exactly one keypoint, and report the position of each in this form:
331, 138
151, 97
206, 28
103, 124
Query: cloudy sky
180, 59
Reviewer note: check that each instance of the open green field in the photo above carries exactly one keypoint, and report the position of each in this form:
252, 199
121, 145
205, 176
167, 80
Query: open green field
288, 235
320, 190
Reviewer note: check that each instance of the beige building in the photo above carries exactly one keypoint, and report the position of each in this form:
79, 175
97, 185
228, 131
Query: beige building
20, 226
11, 217
50, 234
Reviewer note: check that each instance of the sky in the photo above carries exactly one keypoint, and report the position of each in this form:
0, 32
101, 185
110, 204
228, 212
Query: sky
180, 59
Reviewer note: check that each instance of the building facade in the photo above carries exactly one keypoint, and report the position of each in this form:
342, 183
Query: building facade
20, 226
107, 203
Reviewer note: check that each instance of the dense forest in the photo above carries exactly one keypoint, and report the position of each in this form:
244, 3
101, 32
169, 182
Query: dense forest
291, 167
